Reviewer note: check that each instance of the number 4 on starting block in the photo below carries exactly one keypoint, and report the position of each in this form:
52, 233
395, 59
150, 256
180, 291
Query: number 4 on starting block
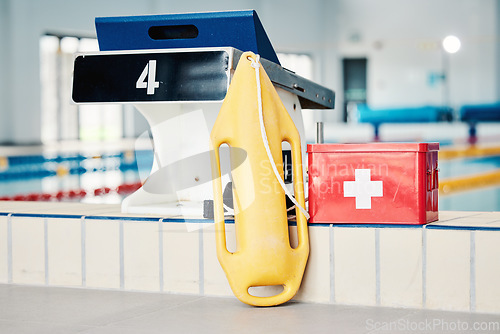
150, 72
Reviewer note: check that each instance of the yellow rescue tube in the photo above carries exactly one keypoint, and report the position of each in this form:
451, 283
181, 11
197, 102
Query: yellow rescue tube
263, 255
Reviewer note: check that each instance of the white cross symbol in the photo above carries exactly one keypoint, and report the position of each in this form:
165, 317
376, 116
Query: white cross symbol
363, 189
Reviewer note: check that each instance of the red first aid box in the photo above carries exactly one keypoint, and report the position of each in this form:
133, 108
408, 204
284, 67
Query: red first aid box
376, 183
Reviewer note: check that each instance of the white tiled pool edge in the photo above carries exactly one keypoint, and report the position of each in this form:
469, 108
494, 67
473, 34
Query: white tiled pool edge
452, 265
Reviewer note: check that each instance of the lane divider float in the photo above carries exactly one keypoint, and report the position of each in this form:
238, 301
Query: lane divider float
471, 182
123, 189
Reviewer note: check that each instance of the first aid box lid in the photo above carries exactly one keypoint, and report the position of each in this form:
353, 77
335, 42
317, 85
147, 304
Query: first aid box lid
372, 147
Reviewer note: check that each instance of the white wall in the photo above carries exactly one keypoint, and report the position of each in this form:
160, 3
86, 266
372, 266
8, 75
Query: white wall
26, 21
401, 39
5, 134
407, 33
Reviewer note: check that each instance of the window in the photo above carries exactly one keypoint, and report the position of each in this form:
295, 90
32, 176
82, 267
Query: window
302, 64
62, 120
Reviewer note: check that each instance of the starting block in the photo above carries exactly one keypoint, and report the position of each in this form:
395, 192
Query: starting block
377, 117
176, 69
474, 114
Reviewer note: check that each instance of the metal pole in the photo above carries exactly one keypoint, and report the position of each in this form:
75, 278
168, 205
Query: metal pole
319, 133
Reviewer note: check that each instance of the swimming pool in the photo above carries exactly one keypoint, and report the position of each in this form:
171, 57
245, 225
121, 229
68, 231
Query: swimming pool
475, 199
107, 178
73, 177
485, 199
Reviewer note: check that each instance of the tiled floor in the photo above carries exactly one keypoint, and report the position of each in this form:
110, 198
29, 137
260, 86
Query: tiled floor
62, 310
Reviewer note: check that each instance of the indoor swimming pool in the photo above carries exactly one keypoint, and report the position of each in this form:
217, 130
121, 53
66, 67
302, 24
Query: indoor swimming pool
477, 197
102, 178
107, 178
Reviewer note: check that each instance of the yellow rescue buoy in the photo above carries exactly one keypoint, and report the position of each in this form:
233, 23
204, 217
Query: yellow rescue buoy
253, 119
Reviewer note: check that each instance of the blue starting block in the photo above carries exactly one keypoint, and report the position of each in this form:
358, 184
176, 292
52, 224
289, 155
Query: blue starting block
480, 113
426, 114
473, 114
241, 30
176, 70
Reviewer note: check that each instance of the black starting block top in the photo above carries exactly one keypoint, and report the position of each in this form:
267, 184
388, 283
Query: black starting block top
180, 58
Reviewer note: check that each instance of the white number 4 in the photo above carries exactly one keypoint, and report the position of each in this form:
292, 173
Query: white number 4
150, 72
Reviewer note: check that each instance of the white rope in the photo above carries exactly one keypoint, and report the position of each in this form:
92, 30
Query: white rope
256, 65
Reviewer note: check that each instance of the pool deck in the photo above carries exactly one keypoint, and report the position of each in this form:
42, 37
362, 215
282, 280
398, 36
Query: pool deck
40, 310
449, 265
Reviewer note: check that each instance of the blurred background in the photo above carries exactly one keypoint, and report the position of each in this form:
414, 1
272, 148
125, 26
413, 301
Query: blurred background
402, 70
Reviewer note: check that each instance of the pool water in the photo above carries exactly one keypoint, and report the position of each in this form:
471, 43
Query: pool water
481, 199
74, 177
484, 199
467, 166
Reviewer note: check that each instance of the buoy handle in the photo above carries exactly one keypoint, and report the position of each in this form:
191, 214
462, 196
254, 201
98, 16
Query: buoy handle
220, 229
289, 290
